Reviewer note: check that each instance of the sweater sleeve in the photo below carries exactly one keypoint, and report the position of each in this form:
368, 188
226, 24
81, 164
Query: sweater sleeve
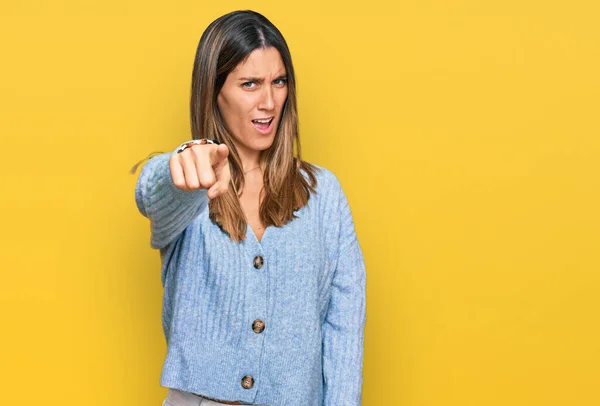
343, 327
169, 209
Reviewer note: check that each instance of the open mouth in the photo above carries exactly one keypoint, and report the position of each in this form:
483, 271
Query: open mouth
263, 125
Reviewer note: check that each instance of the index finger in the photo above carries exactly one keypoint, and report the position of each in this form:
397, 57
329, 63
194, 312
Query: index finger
218, 155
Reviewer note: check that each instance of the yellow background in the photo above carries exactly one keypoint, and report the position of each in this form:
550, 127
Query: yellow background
465, 134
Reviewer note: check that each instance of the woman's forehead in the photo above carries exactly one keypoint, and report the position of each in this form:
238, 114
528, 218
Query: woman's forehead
261, 63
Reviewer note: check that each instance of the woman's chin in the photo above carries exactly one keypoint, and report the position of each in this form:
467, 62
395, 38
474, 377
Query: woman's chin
257, 144
263, 142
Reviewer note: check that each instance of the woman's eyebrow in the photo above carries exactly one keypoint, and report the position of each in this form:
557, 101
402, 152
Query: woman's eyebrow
260, 80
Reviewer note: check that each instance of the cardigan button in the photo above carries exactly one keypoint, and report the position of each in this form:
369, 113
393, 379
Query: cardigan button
258, 262
247, 382
258, 326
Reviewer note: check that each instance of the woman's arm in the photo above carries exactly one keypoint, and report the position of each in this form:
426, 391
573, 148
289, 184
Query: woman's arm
169, 208
343, 328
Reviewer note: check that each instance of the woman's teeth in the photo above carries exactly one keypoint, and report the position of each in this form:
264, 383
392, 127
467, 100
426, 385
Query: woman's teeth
262, 124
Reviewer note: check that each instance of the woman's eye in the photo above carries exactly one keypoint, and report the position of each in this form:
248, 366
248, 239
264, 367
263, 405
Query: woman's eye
247, 83
281, 81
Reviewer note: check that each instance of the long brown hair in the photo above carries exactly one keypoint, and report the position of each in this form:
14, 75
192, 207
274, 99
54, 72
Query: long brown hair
225, 43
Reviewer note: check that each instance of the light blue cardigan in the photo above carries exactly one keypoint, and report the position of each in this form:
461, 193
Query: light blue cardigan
309, 292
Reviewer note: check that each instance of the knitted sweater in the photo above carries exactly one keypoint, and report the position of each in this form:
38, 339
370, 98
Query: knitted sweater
278, 322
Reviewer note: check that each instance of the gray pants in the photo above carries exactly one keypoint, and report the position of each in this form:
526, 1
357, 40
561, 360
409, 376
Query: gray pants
180, 398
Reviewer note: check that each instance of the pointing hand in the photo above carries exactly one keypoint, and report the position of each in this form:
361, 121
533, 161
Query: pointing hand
203, 166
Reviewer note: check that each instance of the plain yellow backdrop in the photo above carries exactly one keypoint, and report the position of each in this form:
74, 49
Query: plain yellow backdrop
465, 134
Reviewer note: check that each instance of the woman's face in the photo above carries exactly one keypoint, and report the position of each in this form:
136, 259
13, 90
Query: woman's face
256, 89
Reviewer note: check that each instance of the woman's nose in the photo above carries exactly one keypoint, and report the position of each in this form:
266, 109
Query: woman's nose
267, 102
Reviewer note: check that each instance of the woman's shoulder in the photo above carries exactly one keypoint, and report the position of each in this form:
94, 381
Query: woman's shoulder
326, 179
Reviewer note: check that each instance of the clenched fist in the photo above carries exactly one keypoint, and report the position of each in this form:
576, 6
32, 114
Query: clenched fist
202, 166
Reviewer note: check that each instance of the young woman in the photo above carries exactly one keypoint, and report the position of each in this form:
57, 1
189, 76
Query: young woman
264, 279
